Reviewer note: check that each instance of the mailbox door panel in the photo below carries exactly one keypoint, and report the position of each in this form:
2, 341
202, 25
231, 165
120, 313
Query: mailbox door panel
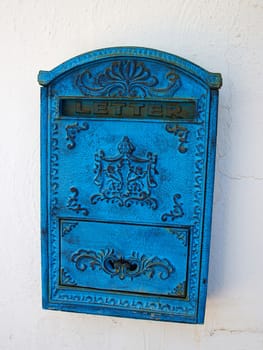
121, 257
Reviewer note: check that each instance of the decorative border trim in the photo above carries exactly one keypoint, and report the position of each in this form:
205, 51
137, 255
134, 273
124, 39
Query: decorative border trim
213, 80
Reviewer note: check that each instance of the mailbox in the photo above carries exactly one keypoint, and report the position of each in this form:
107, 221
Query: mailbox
128, 155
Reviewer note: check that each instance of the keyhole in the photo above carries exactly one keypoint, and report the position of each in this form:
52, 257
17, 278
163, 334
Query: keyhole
111, 265
132, 267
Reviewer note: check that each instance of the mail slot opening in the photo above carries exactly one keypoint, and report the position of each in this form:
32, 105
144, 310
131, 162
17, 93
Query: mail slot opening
170, 110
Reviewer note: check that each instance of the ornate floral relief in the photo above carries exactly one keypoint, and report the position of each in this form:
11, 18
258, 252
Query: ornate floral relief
177, 211
67, 227
181, 234
73, 202
124, 178
72, 130
116, 265
179, 290
127, 78
66, 278
182, 133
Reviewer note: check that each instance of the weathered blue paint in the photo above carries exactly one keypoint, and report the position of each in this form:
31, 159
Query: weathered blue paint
128, 155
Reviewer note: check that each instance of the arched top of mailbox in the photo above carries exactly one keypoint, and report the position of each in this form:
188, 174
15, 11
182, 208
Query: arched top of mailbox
213, 80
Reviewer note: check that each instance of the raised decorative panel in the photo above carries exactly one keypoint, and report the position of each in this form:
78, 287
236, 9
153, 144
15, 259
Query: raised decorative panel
128, 152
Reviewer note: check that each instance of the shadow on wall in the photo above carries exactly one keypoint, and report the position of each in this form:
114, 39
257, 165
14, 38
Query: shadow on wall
221, 210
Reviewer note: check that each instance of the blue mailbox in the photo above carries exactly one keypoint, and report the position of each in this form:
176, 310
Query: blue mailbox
128, 155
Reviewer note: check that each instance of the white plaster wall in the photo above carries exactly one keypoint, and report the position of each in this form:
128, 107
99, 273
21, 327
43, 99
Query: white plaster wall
220, 35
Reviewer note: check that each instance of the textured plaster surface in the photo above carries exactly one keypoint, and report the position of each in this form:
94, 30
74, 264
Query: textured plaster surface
220, 35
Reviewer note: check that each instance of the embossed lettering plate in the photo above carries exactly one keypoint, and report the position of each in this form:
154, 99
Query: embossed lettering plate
128, 151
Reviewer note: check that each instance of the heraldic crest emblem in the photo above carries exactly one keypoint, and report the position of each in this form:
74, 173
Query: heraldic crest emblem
124, 178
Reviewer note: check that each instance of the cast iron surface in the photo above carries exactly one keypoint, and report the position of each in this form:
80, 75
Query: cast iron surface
128, 153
